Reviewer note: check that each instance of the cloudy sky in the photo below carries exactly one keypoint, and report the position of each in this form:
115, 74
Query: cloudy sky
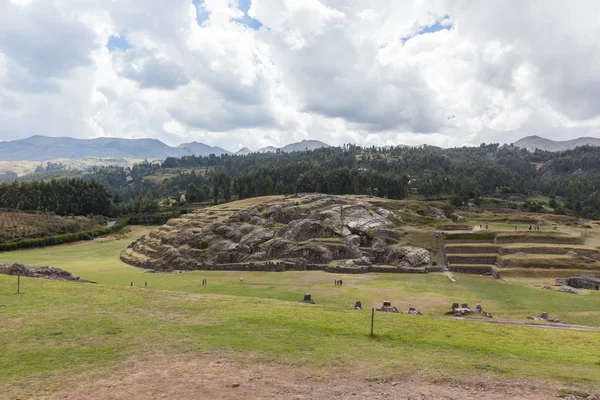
238, 73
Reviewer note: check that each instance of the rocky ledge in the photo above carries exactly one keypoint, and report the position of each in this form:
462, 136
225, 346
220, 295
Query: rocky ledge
303, 229
56, 274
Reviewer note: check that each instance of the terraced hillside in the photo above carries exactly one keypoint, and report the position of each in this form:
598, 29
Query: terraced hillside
530, 253
304, 231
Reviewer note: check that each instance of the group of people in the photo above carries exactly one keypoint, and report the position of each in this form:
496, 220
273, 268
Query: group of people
145, 284
204, 282
338, 282
481, 226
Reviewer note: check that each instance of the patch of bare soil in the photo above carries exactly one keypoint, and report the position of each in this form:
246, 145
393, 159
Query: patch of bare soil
218, 377
558, 325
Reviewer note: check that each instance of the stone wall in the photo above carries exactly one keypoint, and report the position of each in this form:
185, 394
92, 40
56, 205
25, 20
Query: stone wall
278, 267
479, 269
471, 259
471, 249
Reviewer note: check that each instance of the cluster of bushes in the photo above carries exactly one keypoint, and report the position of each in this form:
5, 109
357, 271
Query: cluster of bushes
61, 239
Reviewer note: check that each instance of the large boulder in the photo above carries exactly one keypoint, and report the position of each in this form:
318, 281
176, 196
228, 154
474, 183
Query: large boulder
226, 252
304, 229
353, 241
278, 248
569, 289
362, 261
457, 218
408, 256
314, 253
436, 213
257, 237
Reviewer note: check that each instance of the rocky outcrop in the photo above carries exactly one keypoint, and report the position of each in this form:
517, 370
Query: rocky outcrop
408, 256
589, 282
457, 218
363, 261
437, 213
569, 289
52, 273
302, 229
256, 237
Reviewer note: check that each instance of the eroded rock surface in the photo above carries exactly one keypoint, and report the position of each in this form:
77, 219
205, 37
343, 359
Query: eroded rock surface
56, 274
299, 229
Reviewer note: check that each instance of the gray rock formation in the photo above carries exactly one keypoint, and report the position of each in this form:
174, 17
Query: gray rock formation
437, 213
585, 281
457, 218
408, 256
52, 273
299, 229
569, 289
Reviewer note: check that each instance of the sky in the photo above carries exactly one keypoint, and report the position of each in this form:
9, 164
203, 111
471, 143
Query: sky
251, 73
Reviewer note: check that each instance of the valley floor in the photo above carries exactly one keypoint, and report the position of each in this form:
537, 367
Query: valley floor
180, 339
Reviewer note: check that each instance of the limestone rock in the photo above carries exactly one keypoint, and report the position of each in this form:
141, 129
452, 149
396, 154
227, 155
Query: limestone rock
362, 261
457, 218
408, 256
257, 237
437, 213
304, 229
353, 241
569, 289
379, 246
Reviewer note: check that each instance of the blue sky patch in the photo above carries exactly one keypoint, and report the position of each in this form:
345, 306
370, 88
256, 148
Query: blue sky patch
118, 43
247, 20
201, 14
243, 5
441, 25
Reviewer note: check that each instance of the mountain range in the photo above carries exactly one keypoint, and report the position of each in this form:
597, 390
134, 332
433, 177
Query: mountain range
43, 148
536, 142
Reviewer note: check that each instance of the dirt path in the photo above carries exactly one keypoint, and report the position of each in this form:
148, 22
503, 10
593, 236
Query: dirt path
442, 253
544, 325
211, 376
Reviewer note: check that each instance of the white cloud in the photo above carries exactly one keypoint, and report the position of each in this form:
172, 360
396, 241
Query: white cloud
335, 70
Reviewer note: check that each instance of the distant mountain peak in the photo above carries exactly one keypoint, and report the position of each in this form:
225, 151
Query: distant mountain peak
537, 142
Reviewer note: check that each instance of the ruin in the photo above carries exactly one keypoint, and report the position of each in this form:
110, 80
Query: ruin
585, 281
544, 317
464, 309
412, 311
387, 307
306, 231
307, 299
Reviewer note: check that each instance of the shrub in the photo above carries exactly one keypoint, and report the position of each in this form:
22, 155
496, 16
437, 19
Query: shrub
61, 239
203, 245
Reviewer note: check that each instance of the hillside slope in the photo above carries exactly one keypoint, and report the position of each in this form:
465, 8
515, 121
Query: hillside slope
536, 142
42, 148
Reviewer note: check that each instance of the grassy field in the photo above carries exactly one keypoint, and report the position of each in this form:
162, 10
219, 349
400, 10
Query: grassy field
15, 226
55, 331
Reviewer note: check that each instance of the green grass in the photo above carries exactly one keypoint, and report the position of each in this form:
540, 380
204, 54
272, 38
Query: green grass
54, 329
481, 235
